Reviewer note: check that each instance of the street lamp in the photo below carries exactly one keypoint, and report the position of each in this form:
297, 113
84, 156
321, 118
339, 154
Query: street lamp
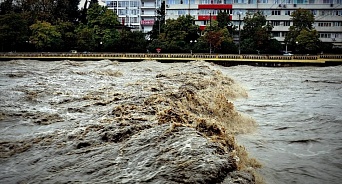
195, 41
239, 13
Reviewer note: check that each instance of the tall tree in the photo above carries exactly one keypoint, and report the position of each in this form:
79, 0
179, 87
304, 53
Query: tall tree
100, 29
45, 36
302, 37
223, 19
13, 31
257, 26
9, 6
66, 10
218, 34
93, 2
179, 32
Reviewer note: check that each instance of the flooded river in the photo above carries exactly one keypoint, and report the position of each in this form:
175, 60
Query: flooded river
121, 122
150, 122
299, 112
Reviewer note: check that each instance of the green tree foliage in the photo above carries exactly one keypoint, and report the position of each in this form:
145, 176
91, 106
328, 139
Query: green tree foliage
132, 42
218, 37
302, 37
85, 38
13, 32
68, 37
45, 36
100, 31
308, 41
256, 34
223, 19
66, 10
8, 6
93, 3
179, 32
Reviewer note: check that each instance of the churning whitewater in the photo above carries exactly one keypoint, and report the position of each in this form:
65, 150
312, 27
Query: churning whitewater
111, 122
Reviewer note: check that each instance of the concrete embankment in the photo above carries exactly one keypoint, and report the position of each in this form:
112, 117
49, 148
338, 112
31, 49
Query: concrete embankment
222, 59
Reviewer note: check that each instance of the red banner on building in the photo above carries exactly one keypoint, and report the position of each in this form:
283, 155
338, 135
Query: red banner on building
147, 22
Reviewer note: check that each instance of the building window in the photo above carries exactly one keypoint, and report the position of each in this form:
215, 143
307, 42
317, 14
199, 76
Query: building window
276, 23
324, 24
338, 24
276, 34
182, 12
134, 3
172, 2
287, 12
283, 34
286, 23
110, 4
327, 1
325, 35
205, 1
275, 12
240, 1
338, 12
325, 12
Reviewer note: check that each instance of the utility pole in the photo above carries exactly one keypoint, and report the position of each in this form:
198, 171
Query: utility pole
239, 13
189, 7
210, 31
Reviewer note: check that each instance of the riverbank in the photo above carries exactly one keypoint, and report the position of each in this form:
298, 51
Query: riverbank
107, 121
221, 59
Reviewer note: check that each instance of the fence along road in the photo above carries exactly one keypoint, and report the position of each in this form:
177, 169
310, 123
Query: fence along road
224, 59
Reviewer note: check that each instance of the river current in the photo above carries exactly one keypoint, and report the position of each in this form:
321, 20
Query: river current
299, 112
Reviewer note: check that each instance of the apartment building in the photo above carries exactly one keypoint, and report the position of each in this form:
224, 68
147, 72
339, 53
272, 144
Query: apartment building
141, 14
137, 14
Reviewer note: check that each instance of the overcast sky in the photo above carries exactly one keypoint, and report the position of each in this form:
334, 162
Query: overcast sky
82, 3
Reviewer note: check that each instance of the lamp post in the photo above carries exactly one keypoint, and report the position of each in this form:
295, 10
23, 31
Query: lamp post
286, 47
195, 41
210, 32
239, 13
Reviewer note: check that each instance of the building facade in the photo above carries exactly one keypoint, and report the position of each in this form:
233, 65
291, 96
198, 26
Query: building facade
141, 14
137, 14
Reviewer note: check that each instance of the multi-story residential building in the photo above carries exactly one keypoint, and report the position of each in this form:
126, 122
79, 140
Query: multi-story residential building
141, 14
137, 14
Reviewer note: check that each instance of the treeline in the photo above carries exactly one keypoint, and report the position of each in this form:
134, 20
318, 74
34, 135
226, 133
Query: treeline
59, 26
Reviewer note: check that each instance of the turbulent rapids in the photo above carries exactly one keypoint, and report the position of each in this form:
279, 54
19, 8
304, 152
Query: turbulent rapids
111, 122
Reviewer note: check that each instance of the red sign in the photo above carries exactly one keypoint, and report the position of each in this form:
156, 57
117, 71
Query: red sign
207, 17
215, 6
147, 22
158, 50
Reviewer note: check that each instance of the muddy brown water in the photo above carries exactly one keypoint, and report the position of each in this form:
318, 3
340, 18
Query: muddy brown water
105, 121
299, 113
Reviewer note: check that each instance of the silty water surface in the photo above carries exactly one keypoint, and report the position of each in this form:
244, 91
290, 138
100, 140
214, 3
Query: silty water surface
299, 112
